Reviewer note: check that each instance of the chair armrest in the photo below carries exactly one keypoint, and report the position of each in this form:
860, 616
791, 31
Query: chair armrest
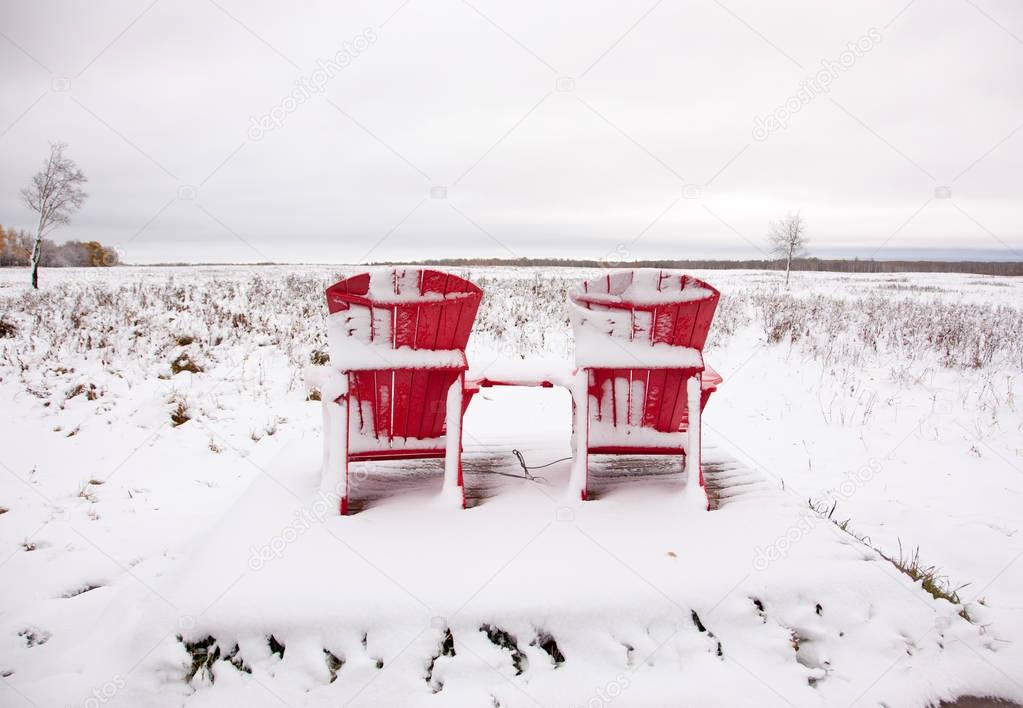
330, 382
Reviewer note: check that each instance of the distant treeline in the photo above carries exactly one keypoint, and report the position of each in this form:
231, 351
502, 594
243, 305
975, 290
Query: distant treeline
16, 250
804, 264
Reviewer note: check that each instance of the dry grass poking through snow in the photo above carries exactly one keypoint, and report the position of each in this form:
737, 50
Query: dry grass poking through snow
931, 579
835, 329
131, 329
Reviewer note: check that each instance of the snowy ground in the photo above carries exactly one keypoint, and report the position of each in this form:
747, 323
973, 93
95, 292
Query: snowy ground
893, 398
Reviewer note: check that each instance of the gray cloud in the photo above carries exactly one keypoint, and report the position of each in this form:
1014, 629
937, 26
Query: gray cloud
569, 130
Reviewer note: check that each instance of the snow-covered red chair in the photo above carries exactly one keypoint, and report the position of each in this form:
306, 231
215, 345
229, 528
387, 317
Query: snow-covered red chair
641, 382
397, 366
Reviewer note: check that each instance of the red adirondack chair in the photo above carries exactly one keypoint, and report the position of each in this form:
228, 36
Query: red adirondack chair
641, 382
398, 336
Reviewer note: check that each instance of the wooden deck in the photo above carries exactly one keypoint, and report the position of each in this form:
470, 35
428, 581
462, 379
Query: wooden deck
487, 469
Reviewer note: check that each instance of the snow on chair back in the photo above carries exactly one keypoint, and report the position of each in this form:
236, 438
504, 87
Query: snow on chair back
651, 306
639, 337
400, 336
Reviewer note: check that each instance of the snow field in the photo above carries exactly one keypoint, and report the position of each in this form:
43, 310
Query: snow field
894, 396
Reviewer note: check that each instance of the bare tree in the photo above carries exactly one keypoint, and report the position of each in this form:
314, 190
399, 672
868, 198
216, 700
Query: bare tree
55, 194
788, 240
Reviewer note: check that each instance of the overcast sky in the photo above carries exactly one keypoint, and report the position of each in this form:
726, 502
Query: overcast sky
223, 130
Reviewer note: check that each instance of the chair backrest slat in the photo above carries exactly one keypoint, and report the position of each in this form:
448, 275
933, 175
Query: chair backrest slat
428, 326
685, 324
451, 314
402, 389
417, 404
654, 395
382, 402
436, 402
434, 281
404, 333
701, 327
672, 386
363, 387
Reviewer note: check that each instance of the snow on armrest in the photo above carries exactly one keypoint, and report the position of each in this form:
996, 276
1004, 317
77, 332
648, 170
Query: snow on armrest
356, 355
331, 383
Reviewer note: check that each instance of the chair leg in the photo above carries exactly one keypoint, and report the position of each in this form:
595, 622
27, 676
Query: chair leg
584, 493
694, 452
334, 483
344, 499
454, 482
580, 434
344, 459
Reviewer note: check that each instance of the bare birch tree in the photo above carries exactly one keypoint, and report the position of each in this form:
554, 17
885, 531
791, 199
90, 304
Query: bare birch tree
788, 240
55, 194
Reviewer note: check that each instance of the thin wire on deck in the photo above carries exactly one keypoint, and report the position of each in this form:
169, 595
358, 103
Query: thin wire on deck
525, 469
